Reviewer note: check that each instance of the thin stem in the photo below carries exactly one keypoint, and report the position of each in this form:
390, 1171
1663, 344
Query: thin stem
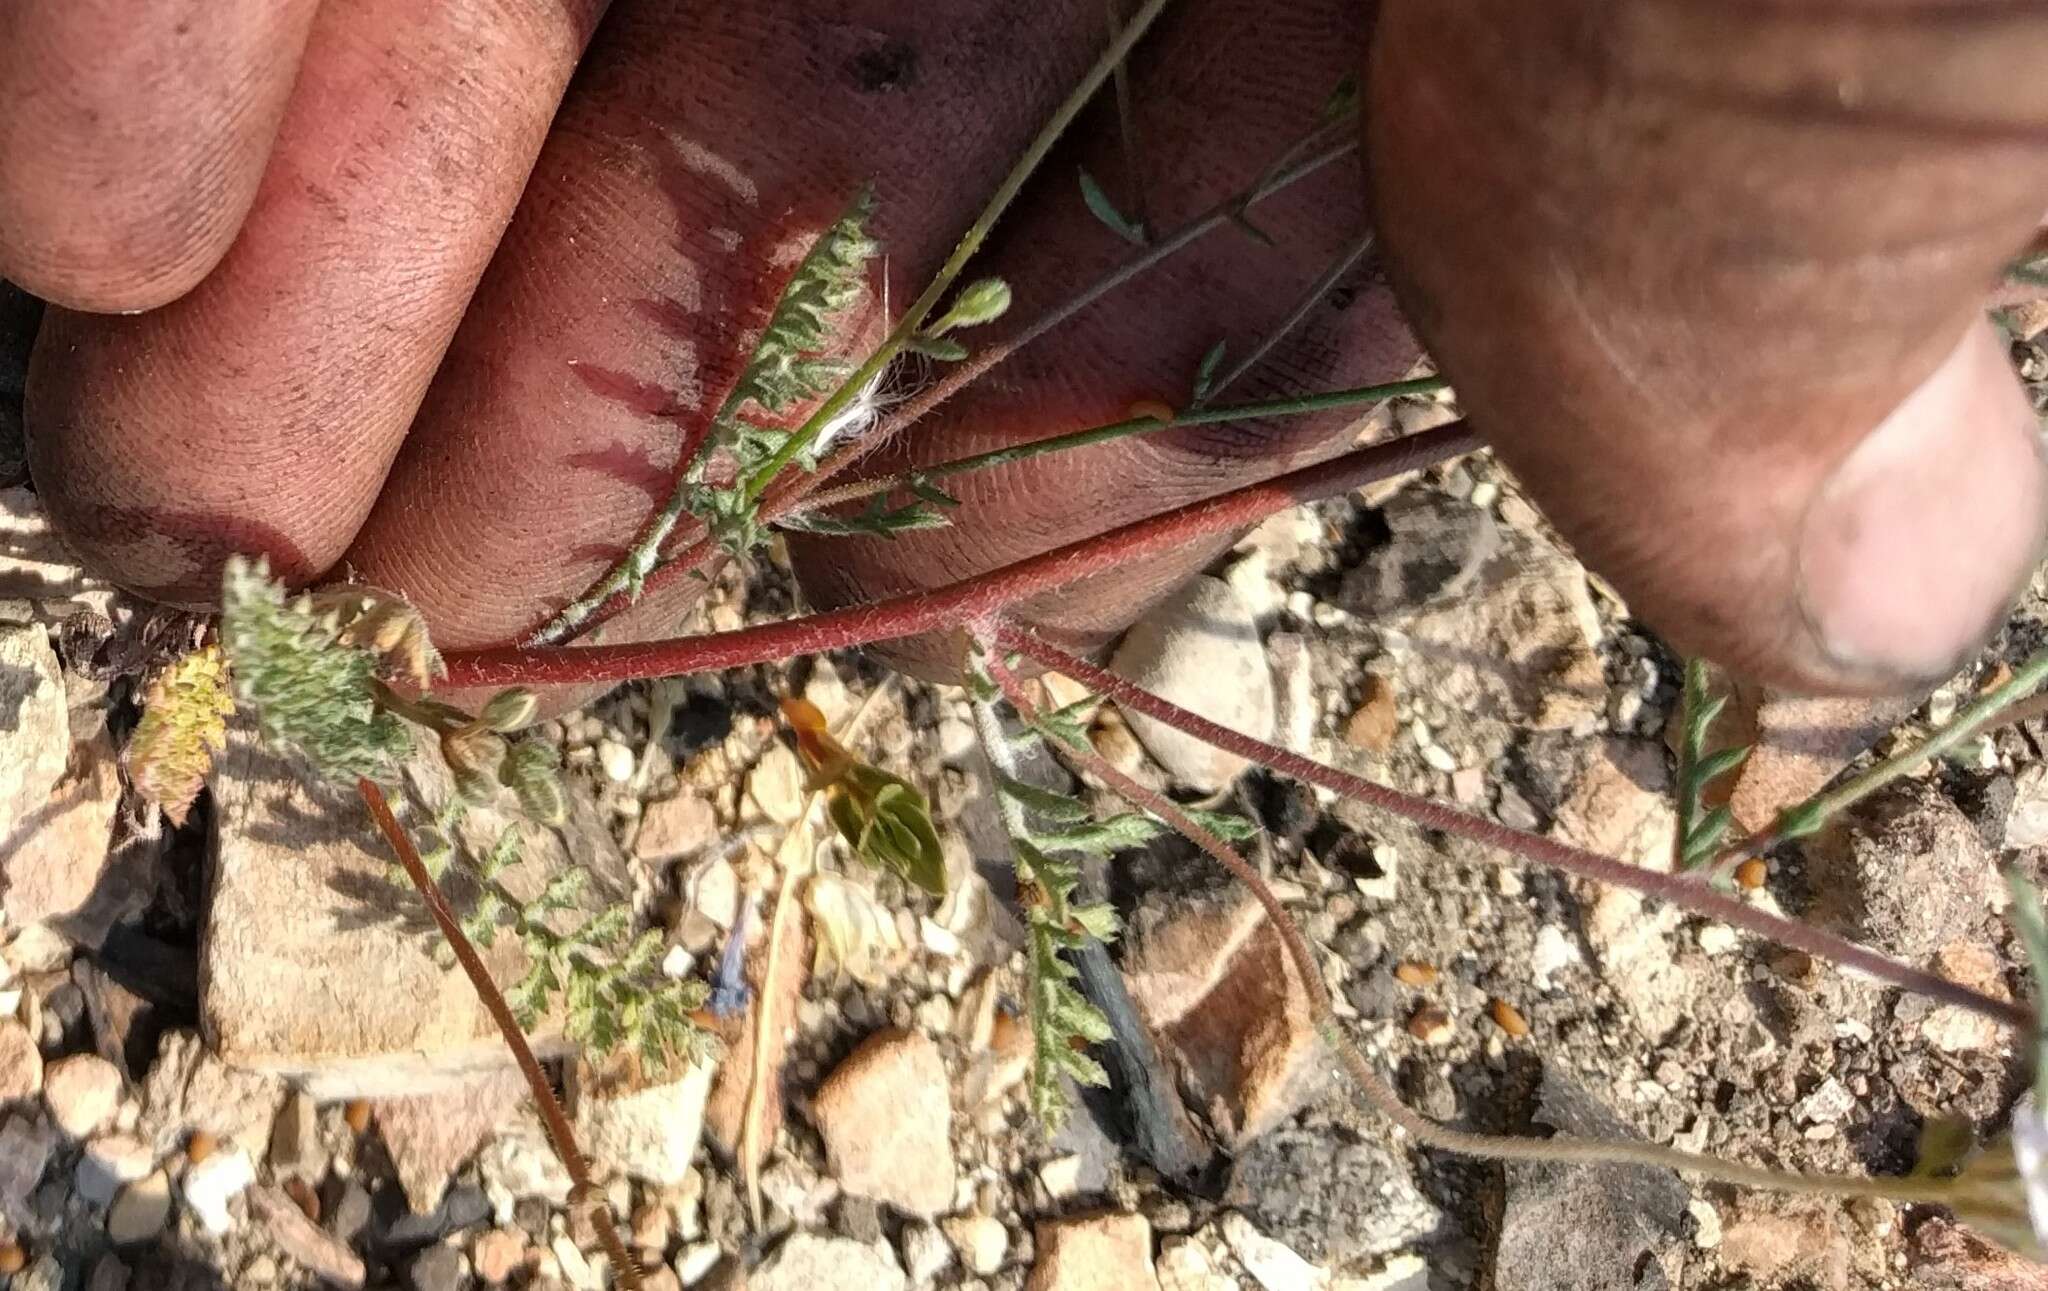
1681, 891
977, 365
1121, 430
552, 1117
1692, 697
1809, 816
957, 603
1430, 1132
1127, 126
789, 493
907, 327
1325, 282
794, 864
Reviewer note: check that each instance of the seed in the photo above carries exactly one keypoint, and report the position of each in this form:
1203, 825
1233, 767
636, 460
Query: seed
200, 1146
1410, 972
1431, 1025
357, 1114
12, 1258
1750, 874
1510, 1019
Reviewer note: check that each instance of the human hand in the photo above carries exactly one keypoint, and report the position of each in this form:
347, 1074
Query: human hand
289, 401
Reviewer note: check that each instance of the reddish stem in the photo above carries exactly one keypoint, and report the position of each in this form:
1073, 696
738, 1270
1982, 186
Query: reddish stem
551, 1114
1678, 890
956, 603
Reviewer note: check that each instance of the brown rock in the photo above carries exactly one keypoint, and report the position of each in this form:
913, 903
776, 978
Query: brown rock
1949, 1257
675, 827
886, 1116
1373, 725
1431, 1025
498, 1255
82, 1091
1620, 805
21, 1063
431, 1135
1801, 744
1509, 635
303, 1240
1105, 1252
1214, 981
1772, 1238
57, 857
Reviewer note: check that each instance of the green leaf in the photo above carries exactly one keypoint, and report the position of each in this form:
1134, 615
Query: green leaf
1205, 375
1226, 825
943, 348
1056, 807
310, 691
788, 367
875, 522
1105, 210
888, 824
1101, 837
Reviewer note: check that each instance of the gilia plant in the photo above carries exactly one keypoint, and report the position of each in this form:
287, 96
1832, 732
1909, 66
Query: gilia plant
332, 675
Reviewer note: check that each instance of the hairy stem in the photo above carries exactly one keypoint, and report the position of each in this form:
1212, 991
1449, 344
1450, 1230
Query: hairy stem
1809, 816
1681, 891
970, 242
1432, 1133
957, 603
551, 1114
1121, 430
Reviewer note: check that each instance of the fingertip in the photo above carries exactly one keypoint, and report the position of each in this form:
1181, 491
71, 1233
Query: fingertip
1916, 543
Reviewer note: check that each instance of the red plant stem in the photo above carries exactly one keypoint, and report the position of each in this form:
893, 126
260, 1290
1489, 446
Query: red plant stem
1564, 1149
551, 1114
1676, 889
956, 603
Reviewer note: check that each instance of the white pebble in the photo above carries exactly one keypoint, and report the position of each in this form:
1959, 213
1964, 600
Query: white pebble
617, 761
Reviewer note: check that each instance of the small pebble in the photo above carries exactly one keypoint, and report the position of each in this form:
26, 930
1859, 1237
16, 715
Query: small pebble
1410, 972
617, 761
1431, 1025
1440, 758
1509, 1018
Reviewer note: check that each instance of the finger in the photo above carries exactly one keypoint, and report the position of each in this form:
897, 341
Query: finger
260, 412
1203, 137
1722, 310
132, 137
700, 150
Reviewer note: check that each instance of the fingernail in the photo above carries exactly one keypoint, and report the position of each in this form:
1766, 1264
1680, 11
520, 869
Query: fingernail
1915, 545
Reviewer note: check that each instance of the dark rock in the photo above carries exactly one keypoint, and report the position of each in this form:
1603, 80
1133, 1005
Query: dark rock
125, 1025
1374, 993
1590, 1228
438, 1268
463, 1207
860, 1218
1329, 1195
348, 1210
64, 1013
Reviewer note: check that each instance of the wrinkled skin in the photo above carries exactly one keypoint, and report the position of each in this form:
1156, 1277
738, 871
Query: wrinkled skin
420, 308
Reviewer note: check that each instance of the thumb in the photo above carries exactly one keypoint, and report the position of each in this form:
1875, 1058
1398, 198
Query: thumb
1711, 280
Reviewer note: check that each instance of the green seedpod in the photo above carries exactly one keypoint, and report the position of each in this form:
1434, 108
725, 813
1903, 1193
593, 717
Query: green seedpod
888, 823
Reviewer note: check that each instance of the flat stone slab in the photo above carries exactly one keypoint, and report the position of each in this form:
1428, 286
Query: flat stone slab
315, 967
